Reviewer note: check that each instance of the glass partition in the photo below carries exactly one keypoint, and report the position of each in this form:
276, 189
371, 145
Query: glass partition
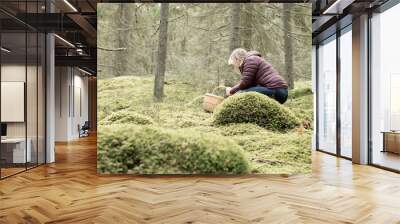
346, 93
34, 69
31, 100
327, 95
14, 153
385, 89
22, 107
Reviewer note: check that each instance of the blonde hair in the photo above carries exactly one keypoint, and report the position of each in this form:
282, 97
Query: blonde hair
237, 57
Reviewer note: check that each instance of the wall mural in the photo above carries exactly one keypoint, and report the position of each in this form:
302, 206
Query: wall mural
204, 88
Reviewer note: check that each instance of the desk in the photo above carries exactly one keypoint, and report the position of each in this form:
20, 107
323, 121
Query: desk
13, 150
391, 141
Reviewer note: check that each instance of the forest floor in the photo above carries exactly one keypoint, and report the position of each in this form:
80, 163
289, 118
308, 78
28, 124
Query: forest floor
268, 152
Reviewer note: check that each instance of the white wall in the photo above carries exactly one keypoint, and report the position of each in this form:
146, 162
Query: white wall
70, 83
81, 84
33, 126
14, 73
62, 81
10, 73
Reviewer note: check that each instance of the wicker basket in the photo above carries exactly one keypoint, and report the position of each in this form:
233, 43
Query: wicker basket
211, 101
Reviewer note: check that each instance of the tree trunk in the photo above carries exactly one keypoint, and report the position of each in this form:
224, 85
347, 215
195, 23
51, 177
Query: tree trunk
162, 53
289, 72
125, 35
235, 23
248, 26
184, 40
234, 41
121, 40
210, 46
112, 40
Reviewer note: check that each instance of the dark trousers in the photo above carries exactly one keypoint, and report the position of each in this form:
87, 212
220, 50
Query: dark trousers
279, 94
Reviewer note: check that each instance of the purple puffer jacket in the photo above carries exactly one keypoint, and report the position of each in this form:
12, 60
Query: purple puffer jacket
256, 71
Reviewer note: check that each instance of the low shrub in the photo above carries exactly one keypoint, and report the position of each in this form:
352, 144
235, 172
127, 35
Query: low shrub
125, 117
255, 108
151, 150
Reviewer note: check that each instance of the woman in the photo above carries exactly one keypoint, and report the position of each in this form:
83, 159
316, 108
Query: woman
257, 76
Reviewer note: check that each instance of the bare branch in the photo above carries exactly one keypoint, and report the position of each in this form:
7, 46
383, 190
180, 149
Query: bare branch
111, 49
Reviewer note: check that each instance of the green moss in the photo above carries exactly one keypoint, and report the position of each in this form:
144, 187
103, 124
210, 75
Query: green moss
241, 129
135, 94
296, 93
301, 103
255, 108
266, 151
271, 152
150, 150
125, 117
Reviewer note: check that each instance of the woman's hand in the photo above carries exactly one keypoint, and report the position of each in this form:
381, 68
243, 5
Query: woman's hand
228, 91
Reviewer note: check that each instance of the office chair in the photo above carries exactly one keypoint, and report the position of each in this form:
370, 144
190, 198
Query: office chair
84, 130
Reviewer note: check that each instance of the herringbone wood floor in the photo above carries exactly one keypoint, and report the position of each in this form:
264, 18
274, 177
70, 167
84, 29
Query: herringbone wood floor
70, 191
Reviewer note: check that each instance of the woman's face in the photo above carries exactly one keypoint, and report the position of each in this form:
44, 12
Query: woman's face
236, 70
236, 66
236, 63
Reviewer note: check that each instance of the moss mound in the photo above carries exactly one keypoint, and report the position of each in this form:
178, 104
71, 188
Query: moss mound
267, 151
255, 108
150, 150
125, 117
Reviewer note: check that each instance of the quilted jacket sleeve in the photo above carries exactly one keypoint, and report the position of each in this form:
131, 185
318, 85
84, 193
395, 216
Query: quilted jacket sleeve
250, 68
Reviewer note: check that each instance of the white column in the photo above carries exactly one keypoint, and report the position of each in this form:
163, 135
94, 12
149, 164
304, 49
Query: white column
50, 92
360, 90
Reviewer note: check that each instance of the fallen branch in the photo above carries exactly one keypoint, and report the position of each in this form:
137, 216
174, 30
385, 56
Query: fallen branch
112, 49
